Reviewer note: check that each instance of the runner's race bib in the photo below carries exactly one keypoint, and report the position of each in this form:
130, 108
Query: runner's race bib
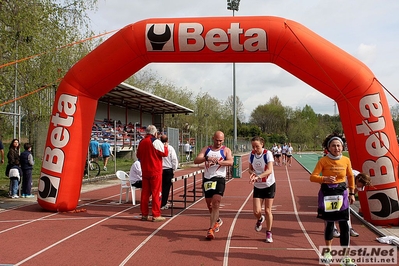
333, 203
210, 185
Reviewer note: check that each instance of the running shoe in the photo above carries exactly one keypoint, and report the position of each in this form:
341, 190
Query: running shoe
15, 197
165, 207
269, 237
353, 233
258, 225
30, 196
210, 234
144, 218
327, 258
217, 225
336, 234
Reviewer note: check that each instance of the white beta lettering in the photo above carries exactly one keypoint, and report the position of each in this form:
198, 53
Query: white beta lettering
218, 40
59, 137
381, 173
377, 144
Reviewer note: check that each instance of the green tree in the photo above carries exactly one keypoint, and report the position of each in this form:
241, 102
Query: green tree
270, 117
36, 29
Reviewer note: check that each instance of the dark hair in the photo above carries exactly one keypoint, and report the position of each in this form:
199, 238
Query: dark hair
164, 138
326, 141
27, 146
11, 144
257, 138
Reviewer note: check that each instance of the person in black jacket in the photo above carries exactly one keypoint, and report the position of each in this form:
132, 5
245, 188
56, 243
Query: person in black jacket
27, 162
12, 155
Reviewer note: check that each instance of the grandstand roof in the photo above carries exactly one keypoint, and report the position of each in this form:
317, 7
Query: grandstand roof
125, 95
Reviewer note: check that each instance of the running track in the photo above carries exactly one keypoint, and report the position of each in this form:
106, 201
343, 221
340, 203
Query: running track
111, 234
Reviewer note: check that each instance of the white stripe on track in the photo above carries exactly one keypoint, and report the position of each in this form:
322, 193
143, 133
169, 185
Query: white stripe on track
70, 236
227, 248
297, 216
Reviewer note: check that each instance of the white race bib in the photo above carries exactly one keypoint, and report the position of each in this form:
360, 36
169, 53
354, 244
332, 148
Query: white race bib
333, 203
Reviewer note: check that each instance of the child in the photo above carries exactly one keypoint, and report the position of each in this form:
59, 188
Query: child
262, 177
27, 162
362, 180
15, 178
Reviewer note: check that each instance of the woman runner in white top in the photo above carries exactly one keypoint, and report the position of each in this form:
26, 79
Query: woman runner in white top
262, 177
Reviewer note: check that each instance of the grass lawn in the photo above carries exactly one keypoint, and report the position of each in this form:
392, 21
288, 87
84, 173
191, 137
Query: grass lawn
121, 163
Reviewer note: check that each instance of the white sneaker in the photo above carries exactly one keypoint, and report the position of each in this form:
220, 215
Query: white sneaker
269, 237
353, 233
336, 234
258, 225
15, 197
105, 168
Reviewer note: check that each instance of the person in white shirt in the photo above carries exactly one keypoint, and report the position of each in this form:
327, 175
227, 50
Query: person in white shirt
262, 177
135, 175
187, 151
169, 166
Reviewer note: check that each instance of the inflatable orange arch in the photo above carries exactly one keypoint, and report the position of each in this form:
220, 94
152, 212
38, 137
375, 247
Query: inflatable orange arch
362, 104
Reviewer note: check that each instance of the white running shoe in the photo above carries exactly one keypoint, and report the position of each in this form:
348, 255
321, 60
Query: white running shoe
258, 225
269, 237
336, 234
353, 233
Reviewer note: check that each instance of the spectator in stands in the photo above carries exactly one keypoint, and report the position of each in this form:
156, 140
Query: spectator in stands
150, 152
217, 159
135, 174
169, 165
94, 149
106, 151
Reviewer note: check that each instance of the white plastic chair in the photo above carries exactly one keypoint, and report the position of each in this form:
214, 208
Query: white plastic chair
125, 184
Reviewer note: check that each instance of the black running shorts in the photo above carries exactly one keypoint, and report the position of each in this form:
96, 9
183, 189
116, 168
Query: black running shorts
265, 193
215, 185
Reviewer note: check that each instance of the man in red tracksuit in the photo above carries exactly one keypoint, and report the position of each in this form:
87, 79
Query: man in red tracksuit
150, 152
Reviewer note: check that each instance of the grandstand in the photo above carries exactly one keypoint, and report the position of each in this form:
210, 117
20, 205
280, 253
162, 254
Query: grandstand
124, 112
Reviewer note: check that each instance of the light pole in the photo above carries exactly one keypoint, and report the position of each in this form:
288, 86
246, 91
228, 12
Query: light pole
233, 5
15, 88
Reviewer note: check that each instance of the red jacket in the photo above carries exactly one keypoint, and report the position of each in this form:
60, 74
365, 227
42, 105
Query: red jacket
150, 152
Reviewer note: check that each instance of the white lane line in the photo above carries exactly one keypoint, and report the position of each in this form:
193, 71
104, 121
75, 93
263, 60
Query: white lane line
260, 248
126, 260
312, 244
226, 250
70, 236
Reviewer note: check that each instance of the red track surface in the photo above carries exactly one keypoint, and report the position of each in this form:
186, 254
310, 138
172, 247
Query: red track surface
112, 234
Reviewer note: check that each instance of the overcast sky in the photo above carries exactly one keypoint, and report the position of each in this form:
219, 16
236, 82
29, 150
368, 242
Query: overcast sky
366, 29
